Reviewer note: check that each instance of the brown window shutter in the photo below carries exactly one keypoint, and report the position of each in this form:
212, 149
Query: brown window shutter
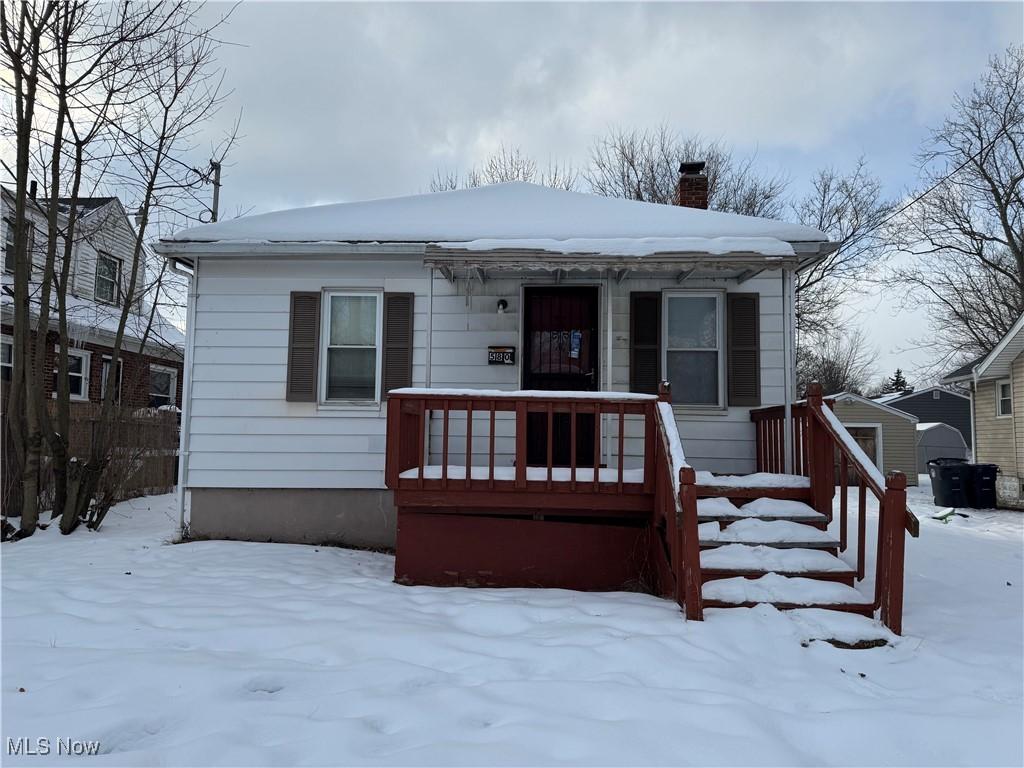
398, 329
743, 335
303, 347
644, 341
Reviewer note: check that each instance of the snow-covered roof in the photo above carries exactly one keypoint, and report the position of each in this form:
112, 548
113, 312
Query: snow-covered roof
855, 398
996, 364
93, 319
887, 398
514, 215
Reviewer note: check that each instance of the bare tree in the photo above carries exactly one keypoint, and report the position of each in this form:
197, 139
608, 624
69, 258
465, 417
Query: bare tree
962, 237
841, 361
24, 48
127, 88
850, 209
644, 165
504, 165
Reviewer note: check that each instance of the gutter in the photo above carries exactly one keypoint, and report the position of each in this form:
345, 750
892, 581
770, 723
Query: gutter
186, 393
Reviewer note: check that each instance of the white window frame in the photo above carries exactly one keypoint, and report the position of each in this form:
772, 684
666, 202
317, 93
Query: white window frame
86, 356
174, 383
10, 341
999, 399
325, 333
120, 378
719, 297
100, 255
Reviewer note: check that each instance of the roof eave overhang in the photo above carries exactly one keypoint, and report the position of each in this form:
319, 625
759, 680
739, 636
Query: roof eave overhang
543, 260
242, 248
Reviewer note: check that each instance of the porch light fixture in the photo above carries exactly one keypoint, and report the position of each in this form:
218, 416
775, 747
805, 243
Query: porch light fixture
502, 306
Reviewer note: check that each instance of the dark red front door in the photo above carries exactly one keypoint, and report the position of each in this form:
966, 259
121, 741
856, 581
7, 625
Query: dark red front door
560, 352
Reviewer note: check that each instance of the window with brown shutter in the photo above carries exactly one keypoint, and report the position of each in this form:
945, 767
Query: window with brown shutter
398, 335
644, 341
303, 347
743, 333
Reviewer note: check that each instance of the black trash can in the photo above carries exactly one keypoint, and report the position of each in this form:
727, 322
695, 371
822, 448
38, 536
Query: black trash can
981, 488
950, 479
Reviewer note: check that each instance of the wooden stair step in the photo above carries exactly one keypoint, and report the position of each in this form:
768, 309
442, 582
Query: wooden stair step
774, 533
755, 486
784, 592
722, 510
753, 561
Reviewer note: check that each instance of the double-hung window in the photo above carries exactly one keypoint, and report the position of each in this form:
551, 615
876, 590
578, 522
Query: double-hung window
1004, 398
108, 277
163, 386
117, 380
693, 348
6, 359
78, 374
351, 346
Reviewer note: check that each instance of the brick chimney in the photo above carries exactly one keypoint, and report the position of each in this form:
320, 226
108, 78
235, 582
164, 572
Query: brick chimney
693, 186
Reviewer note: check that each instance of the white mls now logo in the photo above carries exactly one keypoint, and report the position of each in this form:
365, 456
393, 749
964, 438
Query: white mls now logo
43, 746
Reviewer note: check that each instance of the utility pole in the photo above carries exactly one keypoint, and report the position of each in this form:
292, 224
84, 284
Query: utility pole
215, 167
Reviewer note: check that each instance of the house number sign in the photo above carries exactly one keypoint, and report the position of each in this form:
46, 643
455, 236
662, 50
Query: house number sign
501, 355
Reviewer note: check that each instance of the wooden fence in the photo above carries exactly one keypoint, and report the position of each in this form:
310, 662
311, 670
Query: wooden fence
144, 460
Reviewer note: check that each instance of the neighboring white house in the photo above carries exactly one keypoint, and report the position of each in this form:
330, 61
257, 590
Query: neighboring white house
300, 322
98, 276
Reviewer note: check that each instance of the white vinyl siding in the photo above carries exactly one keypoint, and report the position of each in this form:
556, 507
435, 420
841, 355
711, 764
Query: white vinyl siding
244, 434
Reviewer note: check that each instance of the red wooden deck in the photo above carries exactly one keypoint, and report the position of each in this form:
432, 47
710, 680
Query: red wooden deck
502, 523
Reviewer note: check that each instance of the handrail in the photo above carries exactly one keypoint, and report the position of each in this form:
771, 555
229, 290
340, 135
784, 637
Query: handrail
676, 497
895, 518
864, 467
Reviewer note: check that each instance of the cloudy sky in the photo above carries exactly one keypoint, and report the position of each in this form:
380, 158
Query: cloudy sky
352, 101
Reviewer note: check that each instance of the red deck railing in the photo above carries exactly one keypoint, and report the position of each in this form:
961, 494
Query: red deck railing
410, 413
488, 432
818, 439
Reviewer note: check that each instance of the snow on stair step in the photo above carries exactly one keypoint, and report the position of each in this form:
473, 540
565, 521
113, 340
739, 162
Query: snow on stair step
840, 627
756, 480
784, 533
765, 508
782, 591
744, 557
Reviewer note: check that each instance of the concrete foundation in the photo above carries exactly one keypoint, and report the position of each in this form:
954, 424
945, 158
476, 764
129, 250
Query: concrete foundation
1009, 494
348, 517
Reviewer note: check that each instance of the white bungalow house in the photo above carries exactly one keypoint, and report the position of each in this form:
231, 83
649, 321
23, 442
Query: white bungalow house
301, 321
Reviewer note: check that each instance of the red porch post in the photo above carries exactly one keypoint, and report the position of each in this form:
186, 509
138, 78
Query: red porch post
892, 533
821, 457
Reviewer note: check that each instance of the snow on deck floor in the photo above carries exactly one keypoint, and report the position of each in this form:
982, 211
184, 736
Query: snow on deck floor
558, 474
216, 653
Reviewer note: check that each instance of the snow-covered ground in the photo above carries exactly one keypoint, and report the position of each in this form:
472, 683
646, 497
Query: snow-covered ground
216, 653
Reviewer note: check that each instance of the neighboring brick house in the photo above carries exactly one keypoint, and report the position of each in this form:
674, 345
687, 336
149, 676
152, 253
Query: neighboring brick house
996, 384
101, 259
